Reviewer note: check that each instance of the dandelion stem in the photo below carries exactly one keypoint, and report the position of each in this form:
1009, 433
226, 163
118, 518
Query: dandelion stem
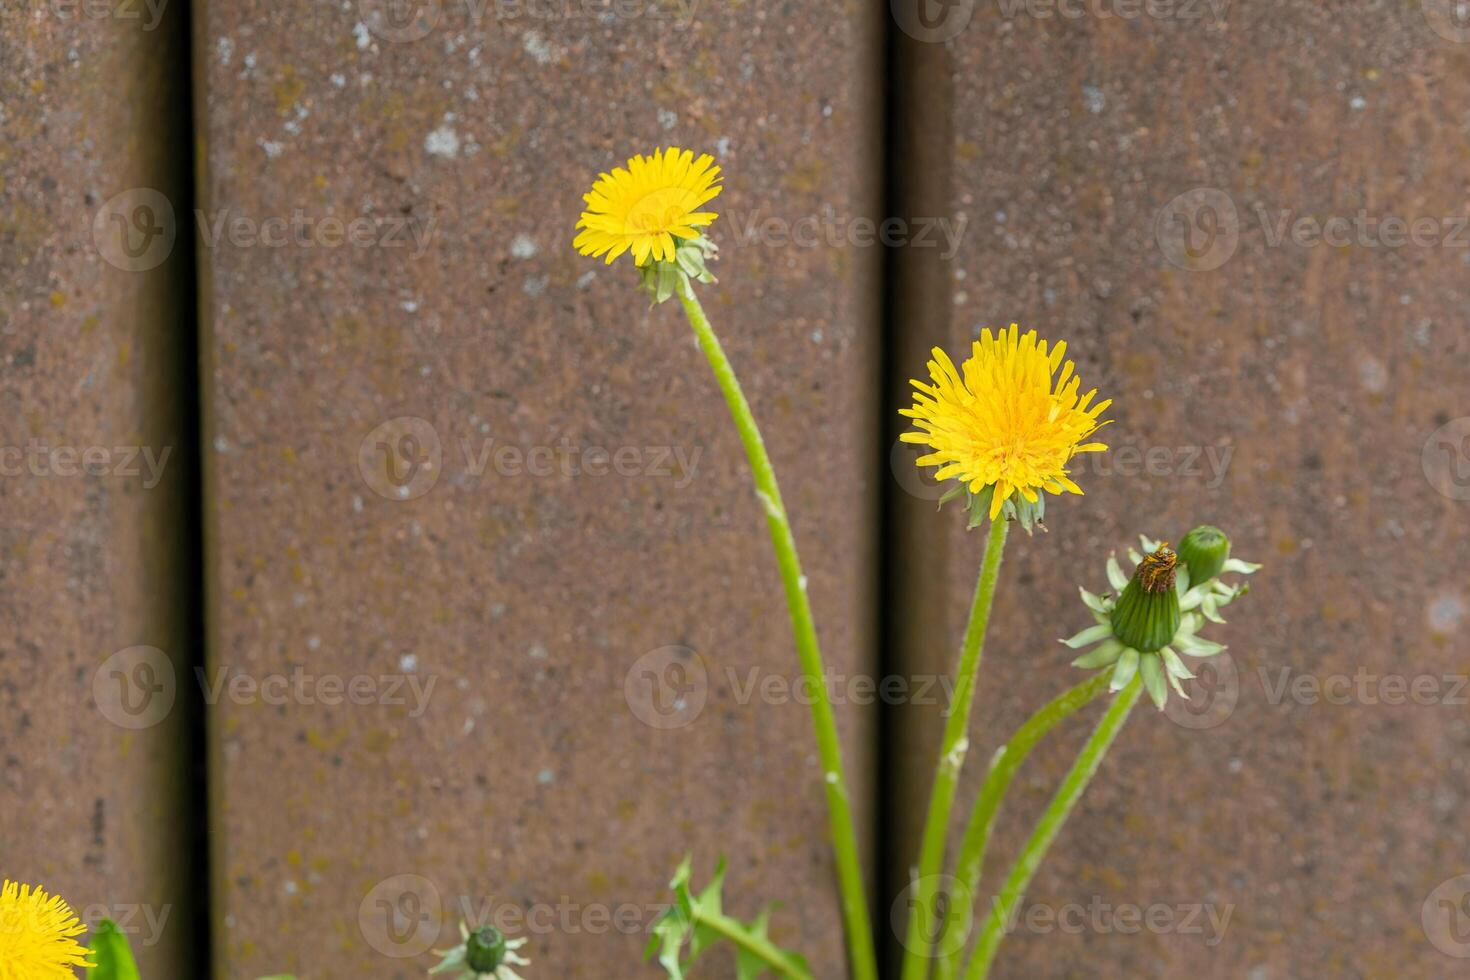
864, 962
1003, 768
922, 918
1048, 826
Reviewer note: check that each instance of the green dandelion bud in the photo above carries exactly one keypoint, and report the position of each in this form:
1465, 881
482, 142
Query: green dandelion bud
1204, 552
485, 949
483, 954
1147, 614
1156, 616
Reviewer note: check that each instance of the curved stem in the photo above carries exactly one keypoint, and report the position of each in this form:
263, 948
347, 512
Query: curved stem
844, 838
1048, 826
918, 944
1003, 767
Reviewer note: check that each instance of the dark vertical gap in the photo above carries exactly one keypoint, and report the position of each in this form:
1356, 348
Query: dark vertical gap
189, 588
916, 306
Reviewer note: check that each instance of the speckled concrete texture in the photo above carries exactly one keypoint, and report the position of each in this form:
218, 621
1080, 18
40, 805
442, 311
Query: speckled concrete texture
1301, 395
94, 464
458, 456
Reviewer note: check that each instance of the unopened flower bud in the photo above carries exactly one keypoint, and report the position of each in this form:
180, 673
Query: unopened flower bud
1147, 614
1204, 552
485, 949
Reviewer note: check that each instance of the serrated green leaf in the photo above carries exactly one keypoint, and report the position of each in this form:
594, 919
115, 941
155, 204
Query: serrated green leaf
695, 923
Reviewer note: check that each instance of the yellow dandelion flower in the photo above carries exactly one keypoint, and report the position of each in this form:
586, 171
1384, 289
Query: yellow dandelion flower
37, 936
1007, 420
647, 205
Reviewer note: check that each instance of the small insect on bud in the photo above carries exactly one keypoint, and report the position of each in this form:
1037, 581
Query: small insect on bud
1156, 571
1147, 615
1204, 552
485, 949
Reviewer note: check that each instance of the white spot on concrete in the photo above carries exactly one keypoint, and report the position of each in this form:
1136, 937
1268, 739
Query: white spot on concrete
537, 47
668, 118
442, 142
585, 279
271, 147
537, 652
363, 35
408, 663
226, 48
1093, 99
1357, 103
338, 80
522, 246
1372, 373
535, 285
1446, 612
546, 777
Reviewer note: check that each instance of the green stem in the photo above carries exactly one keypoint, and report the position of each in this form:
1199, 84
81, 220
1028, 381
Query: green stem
844, 838
918, 945
1003, 769
1048, 826
737, 933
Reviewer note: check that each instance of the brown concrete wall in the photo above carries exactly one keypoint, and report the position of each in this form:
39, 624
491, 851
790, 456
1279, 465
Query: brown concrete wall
454, 671
1325, 372
540, 607
96, 773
